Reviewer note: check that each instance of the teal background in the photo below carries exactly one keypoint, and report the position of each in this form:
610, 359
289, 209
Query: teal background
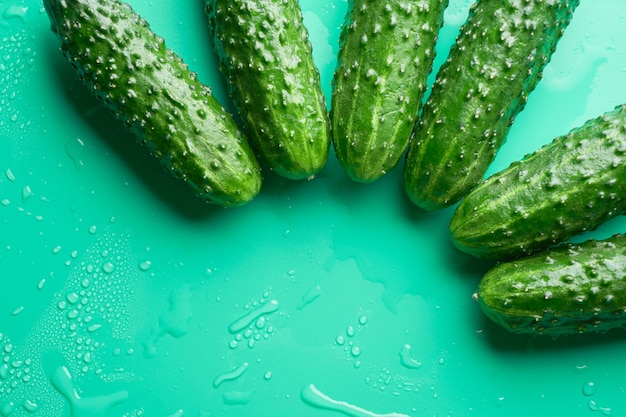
121, 294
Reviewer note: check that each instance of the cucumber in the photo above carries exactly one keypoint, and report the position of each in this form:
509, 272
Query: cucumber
565, 290
494, 65
266, 59
386, 53
156, 96
569, 186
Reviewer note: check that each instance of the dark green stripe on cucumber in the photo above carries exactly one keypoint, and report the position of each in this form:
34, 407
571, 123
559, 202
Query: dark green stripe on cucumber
386, 53
496, 62
565, 290
574, 184
149, 88
266, 58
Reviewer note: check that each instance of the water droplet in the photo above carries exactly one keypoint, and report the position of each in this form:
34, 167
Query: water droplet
93, 327
7, 409
15, 11
407, 360
145, 265
363, 320
350, 331
93, 229
340, 340
26, 193
30, 406
231, 375
9, 174
75, 150
589, 388
17, 311
268, 375
72, 297
107, 267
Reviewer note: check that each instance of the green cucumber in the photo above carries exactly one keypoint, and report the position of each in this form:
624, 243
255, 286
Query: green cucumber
569, 186
386, 53
156, 96
572, 288
267, 61
496, 62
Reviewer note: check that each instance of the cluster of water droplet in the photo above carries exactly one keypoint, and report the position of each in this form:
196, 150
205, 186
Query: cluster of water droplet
255, 324
92, 310
346, 341
16, 60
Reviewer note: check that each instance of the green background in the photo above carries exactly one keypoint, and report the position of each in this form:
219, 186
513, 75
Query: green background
122, 294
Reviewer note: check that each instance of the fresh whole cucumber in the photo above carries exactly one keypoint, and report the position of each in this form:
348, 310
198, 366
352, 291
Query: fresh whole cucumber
386, 53
571, 185
495, 63
156, 96
267, 61
568, 289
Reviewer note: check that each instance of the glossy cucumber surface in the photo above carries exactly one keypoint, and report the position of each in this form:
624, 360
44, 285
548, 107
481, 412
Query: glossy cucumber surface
153, 92
566, 290
267, 61
496, 62
386, 53
571, 185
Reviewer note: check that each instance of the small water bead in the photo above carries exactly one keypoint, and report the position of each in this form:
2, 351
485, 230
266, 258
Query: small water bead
7, 408
30, 406
589, 388
340, 340
350, 331
107, 267
145, 265
363, 320
17, 311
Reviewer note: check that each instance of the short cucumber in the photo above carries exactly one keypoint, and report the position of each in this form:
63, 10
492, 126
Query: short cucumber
267, 61
151, 90
386, 53
496, 62
568, 289
571, 185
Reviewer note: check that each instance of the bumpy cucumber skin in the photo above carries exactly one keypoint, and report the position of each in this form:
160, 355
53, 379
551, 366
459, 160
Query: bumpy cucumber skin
494, 65
266, 58
566, 290
569, 186
150, 89
386, 53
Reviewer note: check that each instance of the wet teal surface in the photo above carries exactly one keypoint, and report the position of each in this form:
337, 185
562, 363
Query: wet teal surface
124, 295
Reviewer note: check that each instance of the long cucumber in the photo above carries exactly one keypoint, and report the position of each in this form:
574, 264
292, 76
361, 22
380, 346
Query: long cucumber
496, 62
153, 92
565, 290
267, 60
387, 52
569, 186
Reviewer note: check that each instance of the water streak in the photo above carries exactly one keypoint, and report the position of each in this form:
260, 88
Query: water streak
314, 397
